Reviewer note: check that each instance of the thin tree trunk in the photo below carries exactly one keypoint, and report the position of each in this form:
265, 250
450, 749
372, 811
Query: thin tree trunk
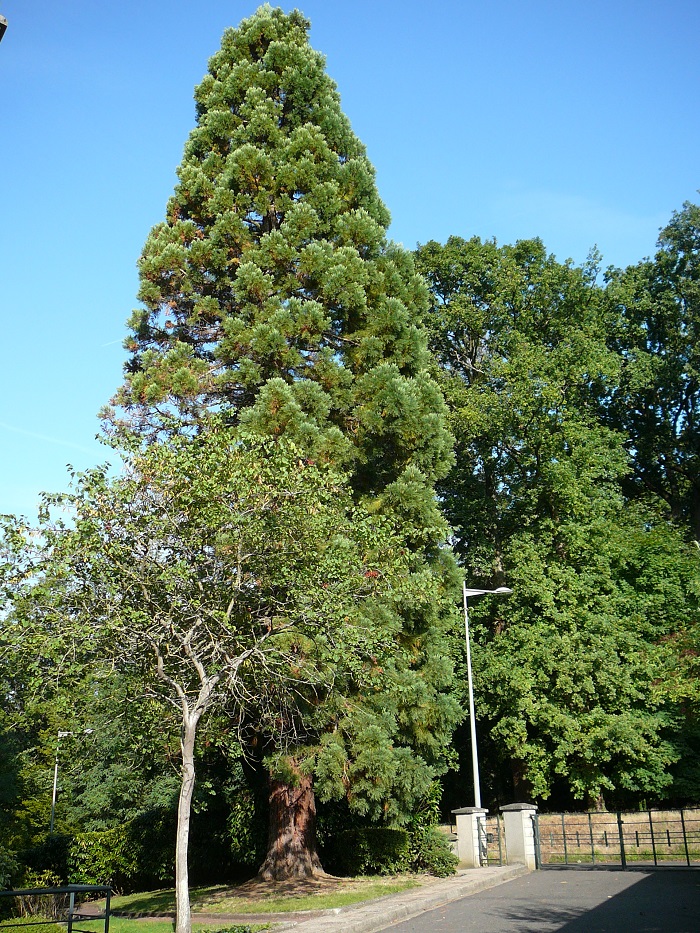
291, 850
183, 919
596, 802
522, 788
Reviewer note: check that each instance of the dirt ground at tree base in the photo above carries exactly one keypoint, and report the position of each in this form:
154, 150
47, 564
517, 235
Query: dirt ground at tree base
260, 900
258, 889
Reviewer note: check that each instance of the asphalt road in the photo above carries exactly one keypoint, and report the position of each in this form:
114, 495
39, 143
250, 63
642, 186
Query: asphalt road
574, 901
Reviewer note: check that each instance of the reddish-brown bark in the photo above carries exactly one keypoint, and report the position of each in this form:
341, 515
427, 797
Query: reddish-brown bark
291, 848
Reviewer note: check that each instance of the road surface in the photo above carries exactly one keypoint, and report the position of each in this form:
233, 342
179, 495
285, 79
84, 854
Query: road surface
574, 901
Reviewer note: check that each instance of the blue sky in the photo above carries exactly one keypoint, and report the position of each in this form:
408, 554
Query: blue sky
576, 122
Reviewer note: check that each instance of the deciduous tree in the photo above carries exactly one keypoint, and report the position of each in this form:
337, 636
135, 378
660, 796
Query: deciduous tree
655, 305
565, 668
228, 573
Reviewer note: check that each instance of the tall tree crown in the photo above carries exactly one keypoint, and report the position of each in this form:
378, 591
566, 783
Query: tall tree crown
657, 306
271, 289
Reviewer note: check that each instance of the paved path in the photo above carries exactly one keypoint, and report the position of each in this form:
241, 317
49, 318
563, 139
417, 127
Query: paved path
373, 916
573, 901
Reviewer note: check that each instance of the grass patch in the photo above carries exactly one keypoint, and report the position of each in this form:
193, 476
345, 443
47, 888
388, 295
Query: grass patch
127, 925
18, 923
256, 897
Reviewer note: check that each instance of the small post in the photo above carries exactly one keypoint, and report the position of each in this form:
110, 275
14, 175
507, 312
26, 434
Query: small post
535, 820
590, 832
71, 910
520, 833
685, 839
623, 857
469, 835
563, 836
653, 841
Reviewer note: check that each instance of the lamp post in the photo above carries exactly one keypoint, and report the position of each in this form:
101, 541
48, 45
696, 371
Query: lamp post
467, 592
61, 735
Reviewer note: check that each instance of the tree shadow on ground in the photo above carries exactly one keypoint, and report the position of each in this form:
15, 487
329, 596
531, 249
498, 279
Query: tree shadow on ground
662, 901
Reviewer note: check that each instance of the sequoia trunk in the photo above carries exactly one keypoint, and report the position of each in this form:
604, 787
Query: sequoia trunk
291, 845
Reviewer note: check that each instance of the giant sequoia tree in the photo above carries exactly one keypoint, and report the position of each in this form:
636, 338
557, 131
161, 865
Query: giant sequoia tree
270, 294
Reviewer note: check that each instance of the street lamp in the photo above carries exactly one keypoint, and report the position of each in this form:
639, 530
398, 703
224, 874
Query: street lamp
467, 592
61, 735
3, 26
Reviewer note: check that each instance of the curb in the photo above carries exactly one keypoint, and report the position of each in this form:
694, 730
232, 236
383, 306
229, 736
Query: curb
375, 916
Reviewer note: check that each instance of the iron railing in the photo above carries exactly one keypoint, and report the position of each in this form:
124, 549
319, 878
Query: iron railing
69, 912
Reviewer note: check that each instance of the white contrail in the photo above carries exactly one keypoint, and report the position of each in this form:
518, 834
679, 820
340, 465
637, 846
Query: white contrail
46, 438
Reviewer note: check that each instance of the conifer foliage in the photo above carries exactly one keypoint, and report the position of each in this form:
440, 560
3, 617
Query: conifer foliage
270, 288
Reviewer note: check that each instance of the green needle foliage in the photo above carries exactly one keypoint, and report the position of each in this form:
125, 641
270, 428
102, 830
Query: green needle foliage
270, 290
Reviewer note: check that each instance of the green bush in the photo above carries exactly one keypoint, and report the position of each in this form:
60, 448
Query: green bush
246, 826
429, 848
9, 873
49, 855
107, 857
430, 852
136, 854
152, 835
41, 905
9, 867
369, 850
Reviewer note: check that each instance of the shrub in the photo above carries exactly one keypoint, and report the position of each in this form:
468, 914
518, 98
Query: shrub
106, 857
369, 850
246, 826
9, 867
430, 852
41, 905
49, 855
429, 848
135, 854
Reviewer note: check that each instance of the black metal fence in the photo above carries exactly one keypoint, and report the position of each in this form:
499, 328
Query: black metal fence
59, 905
648, 838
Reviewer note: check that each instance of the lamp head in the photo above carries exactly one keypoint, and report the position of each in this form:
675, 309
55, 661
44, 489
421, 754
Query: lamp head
3, 26
500, 591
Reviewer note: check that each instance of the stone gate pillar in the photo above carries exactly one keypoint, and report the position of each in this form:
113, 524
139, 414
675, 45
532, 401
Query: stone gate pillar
471, 836
520, 834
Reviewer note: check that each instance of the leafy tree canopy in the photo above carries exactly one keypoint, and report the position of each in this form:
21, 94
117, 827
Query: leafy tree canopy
656, 309
565, 670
